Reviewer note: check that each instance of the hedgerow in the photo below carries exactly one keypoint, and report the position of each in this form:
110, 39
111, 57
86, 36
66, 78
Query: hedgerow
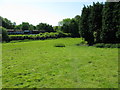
102, 45
40, 36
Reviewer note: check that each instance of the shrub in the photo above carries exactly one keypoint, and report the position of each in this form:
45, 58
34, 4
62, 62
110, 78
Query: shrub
83, 42
5, 36
102, 45
107, 45
59, 45
99, 45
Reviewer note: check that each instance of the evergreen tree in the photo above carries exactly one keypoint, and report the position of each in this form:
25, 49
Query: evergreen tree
116, 20
83, 22
85, 25
108, 34
73, 27
96, 20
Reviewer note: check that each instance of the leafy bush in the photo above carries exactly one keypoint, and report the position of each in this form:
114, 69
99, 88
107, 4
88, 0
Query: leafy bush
40, 36
102, 45
4, 35
83, 42
59, 45
107, 45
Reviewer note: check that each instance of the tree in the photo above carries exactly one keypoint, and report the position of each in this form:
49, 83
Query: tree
85, 31
77, 19
64, 22
57, 28
73, 27
45, 27
70, 26
25, 26
96, 20
7, 23
108, 34
18, 27
31, 27
116, 20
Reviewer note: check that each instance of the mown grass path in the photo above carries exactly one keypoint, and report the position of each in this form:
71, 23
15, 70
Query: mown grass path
38, 64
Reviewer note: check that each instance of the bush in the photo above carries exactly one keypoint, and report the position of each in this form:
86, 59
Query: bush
99, 45
83, 42
102, 45
107, 45
59, 45
5, 36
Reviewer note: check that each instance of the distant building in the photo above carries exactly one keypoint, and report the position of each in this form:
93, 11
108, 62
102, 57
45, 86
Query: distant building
12, 31
19, 32
27, 31
35, 32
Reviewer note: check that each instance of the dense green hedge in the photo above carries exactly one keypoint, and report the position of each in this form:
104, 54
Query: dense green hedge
40, 36
102, 45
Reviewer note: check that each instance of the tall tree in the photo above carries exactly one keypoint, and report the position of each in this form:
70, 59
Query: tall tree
85, 21
108, 34
7, 23
116, 20
96, 20
73, 27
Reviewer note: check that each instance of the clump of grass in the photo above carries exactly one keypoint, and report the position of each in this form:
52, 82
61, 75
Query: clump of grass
59, 45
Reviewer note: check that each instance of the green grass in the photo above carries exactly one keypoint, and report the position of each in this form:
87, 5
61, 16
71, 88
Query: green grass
39, 64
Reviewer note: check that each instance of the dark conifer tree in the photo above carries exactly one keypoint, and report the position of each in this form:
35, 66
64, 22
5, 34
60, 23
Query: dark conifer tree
96, 24
84, 23
108, 34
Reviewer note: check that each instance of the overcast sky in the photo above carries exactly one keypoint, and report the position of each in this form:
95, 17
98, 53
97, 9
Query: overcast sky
46, 11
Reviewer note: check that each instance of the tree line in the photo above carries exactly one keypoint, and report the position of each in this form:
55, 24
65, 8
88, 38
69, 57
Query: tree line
98, 23
26, 26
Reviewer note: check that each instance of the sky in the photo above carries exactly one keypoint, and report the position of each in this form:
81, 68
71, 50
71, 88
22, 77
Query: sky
45, 11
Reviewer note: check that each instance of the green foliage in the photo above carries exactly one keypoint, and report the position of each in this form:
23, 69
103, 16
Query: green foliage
57, 28
111, 22
44, 27
7, 23
4, 34
100, 23
25, 26
65, 21
40, 36
85, 25
102, 45
71, 26
83, 42
91, 22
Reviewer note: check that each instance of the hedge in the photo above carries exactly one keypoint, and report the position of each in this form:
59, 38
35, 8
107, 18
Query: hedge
102, 45
40, 36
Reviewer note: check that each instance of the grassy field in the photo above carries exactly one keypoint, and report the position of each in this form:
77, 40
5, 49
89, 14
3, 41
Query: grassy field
38, 64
